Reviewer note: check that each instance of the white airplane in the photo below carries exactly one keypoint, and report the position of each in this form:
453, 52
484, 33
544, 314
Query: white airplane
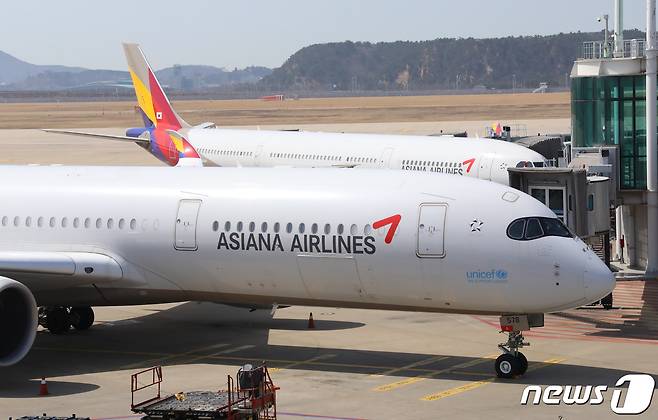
168, 137
76, 237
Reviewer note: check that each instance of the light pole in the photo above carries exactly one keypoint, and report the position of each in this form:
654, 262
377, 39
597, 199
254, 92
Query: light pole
606, 36
652, 147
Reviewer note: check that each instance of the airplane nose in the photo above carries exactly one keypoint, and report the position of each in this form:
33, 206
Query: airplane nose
599, 280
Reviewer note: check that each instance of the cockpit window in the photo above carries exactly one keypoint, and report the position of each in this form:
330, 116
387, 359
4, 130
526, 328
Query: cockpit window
528, 164
554, 227
533, 229
515, 230
529, 228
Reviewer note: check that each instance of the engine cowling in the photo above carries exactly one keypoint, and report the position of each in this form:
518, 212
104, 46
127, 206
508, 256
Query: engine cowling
18, 321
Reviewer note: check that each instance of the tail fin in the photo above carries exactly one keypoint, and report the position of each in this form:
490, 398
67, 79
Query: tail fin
152, 100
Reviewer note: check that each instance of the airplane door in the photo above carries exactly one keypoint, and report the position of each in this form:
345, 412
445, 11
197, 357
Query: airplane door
484, 171
431, 230
257, 155
188, 212
385, 161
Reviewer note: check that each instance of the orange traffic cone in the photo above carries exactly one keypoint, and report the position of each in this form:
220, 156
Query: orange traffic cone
311, 323
43, 388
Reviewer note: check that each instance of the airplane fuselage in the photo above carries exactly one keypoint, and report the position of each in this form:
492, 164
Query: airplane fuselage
371, 239
485, 159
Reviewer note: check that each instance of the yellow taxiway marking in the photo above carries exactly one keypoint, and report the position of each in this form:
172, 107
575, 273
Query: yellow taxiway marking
477, 384
196, 358
411, 366
302, 362
159, 360
458, 390
238, 359
409, 381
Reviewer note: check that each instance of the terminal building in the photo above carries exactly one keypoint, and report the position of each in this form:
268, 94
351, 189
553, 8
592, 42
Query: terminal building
609, 125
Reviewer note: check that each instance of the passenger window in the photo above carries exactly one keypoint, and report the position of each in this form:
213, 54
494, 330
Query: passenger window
533, 229
52, 222
302, 228
133, 224
314, 228
215, 226
40, 222
354, 229
17, 221
289, 228
367, 230
87, 223
99, 223
340, 229
65, 222
515, 230
227, 226
238, 226
110, 223
327, 229
5, 220
122, 224
76, 222
276, 227
252, 226
263, 227
28, 221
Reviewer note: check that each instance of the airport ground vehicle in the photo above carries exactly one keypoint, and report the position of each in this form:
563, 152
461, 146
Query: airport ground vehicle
250, 396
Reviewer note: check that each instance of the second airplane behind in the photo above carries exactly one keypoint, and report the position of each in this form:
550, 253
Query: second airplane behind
168, 137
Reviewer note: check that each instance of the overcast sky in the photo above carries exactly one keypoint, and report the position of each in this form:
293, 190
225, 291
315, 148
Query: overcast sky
238, 33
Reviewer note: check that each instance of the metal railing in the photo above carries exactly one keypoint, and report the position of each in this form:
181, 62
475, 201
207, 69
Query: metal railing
593, 50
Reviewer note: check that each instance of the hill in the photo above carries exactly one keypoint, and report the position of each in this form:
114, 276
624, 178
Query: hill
14, 70
445, 63
16, 74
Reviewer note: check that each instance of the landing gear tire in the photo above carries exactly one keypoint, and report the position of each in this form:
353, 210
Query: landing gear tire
523, 363
57, 320
512, 362
82, 318
507, 366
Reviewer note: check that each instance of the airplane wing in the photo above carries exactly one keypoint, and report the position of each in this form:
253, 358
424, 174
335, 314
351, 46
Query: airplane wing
71, 268
103, 136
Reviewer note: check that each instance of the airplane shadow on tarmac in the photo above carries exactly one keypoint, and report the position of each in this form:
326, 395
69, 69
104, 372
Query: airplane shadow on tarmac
223, 335
639, 321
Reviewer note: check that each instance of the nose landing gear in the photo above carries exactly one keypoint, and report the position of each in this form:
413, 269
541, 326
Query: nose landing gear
512, 362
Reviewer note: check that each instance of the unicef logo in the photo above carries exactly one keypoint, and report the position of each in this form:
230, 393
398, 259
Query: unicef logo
495, 275
501, 274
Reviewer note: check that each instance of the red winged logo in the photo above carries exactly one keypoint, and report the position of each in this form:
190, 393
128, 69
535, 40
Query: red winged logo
470, 163
393, 221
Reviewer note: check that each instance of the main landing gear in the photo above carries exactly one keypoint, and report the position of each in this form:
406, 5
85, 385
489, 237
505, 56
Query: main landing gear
60, 319
512, 362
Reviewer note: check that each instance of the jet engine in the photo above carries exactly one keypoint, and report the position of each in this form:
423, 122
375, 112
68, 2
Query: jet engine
18, 321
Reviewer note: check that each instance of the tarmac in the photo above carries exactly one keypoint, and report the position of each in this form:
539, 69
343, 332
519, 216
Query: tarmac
355, 364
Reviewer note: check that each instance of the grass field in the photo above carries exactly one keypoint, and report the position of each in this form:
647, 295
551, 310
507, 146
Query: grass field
302, 111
